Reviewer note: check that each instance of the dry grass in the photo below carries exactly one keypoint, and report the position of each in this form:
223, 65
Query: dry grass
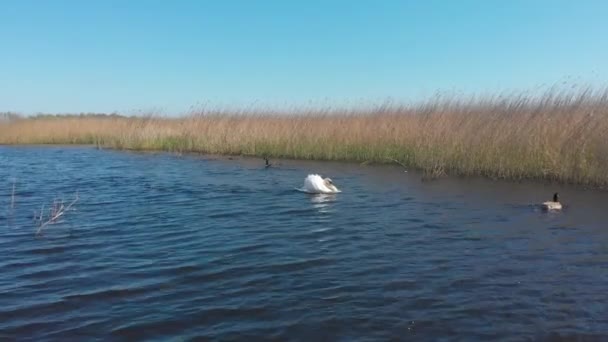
558, 136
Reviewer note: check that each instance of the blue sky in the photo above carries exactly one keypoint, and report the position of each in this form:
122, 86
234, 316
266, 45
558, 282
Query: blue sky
166, 56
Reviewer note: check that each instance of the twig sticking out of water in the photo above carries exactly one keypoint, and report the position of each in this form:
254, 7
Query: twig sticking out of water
13, 196
55, 212
398, 162
11, 209
433, 173
38, 217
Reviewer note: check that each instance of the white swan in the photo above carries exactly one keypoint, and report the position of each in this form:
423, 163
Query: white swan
553, 205
315, 184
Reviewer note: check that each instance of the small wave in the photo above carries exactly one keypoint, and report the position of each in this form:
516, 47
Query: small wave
227, 214
47, 250
112, 293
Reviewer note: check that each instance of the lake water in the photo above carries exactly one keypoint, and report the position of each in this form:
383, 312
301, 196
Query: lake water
163, 246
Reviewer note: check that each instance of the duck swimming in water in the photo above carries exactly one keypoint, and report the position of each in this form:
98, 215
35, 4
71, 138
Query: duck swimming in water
553, 205
268, 164
315, 184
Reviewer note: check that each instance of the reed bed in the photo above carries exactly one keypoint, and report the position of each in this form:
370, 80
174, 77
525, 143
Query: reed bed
559, 137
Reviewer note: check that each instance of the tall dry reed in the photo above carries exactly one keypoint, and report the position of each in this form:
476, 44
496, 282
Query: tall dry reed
558, 136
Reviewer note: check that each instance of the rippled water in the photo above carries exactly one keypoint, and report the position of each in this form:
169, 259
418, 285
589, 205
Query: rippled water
163, 246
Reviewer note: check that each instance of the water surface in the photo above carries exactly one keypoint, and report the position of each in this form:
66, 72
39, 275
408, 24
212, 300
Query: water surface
161, 246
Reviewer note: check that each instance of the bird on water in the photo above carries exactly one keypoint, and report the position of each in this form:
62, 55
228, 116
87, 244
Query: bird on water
316, 184
554, 204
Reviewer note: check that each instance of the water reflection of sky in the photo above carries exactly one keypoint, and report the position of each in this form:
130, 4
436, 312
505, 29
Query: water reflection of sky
323, 203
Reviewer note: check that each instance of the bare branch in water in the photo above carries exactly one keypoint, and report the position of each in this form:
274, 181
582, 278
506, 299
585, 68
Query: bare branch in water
56, 212
433, 173
398, 162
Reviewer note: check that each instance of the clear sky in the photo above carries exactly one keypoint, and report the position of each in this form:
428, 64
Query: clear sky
104, 56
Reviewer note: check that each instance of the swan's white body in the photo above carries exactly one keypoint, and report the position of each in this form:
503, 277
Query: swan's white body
315, 184
550, 205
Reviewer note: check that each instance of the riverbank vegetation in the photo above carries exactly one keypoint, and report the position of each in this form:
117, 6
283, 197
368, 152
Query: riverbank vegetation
558, 136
